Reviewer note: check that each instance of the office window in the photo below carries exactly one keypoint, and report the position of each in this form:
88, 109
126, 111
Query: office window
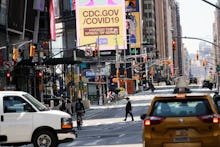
2, 12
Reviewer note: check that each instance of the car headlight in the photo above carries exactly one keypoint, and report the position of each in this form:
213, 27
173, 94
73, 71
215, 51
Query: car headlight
66, 123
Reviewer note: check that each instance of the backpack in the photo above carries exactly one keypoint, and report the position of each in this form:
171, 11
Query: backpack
78, 106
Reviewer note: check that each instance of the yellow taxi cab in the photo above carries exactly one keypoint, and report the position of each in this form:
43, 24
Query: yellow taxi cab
181, 120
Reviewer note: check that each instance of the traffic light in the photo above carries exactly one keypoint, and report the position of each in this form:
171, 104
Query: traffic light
197, 55
168, 62
96, 51
125, 74
40, 75
15, 54
204, 62
8, 78
117, 73
144, 59
174, 44
80, 77
32, 50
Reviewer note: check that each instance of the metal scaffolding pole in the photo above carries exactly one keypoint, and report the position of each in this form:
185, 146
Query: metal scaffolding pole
99, 76
117, 60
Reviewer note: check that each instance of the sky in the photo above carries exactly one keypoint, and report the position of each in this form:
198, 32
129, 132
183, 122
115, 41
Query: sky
196, 19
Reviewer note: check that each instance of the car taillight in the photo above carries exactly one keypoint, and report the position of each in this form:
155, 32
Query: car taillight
153, 120
210, 119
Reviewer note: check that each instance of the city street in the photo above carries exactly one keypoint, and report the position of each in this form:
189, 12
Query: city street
104, 126
54, 53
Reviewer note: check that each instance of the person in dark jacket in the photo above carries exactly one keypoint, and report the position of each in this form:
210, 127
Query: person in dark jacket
128, 110
79, 107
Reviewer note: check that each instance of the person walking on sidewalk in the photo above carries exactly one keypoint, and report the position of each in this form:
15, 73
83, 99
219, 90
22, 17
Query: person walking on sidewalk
128, 110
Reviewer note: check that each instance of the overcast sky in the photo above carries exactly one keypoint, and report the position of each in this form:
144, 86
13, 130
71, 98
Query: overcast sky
196, 18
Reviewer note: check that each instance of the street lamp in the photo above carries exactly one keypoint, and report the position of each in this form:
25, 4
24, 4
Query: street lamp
99, 76
117, 59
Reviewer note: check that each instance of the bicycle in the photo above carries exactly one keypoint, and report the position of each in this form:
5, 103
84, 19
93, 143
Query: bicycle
79, 120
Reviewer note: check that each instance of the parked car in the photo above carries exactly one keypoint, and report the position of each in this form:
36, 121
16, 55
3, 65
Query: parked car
207, 84
26, 120
181, 120
216, 99
181, 86
193, 80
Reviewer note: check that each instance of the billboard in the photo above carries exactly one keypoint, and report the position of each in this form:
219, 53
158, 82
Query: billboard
133, 24
102, 22
132, 5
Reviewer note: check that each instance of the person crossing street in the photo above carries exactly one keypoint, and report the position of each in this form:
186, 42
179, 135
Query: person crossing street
80, 111
128, 110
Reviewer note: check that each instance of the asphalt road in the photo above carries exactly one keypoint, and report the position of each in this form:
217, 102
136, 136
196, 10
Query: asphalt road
107, 128
104, 126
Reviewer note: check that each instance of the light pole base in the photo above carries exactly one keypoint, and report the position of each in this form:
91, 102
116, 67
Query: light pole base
100, 100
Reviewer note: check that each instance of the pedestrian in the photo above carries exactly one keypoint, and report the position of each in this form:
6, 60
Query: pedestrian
151, 86
79, 107
80, 111
128, 110
63, 104
111, 96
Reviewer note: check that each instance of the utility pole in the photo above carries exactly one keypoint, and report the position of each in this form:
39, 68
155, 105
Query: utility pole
117, 60
35, 41
99, 75
125, 74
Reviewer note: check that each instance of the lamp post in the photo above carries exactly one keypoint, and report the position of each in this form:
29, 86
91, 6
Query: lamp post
117, 59
99, 75
125, 74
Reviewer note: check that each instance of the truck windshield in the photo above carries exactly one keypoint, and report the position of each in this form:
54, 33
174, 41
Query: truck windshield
35, 102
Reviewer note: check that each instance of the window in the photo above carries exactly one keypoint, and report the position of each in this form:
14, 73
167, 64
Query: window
150, 24
149, 15
15, 104
149, 6
182, 108
2, 12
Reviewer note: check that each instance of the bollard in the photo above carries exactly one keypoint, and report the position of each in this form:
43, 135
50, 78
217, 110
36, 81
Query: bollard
51, 103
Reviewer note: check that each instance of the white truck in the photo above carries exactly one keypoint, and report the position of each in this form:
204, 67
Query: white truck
24, 120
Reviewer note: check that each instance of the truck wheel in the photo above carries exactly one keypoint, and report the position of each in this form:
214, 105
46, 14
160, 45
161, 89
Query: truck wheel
45, 138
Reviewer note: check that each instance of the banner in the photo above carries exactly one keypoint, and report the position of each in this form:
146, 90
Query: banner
133, 24
72, 5
52, 22
101, 22
132, 5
